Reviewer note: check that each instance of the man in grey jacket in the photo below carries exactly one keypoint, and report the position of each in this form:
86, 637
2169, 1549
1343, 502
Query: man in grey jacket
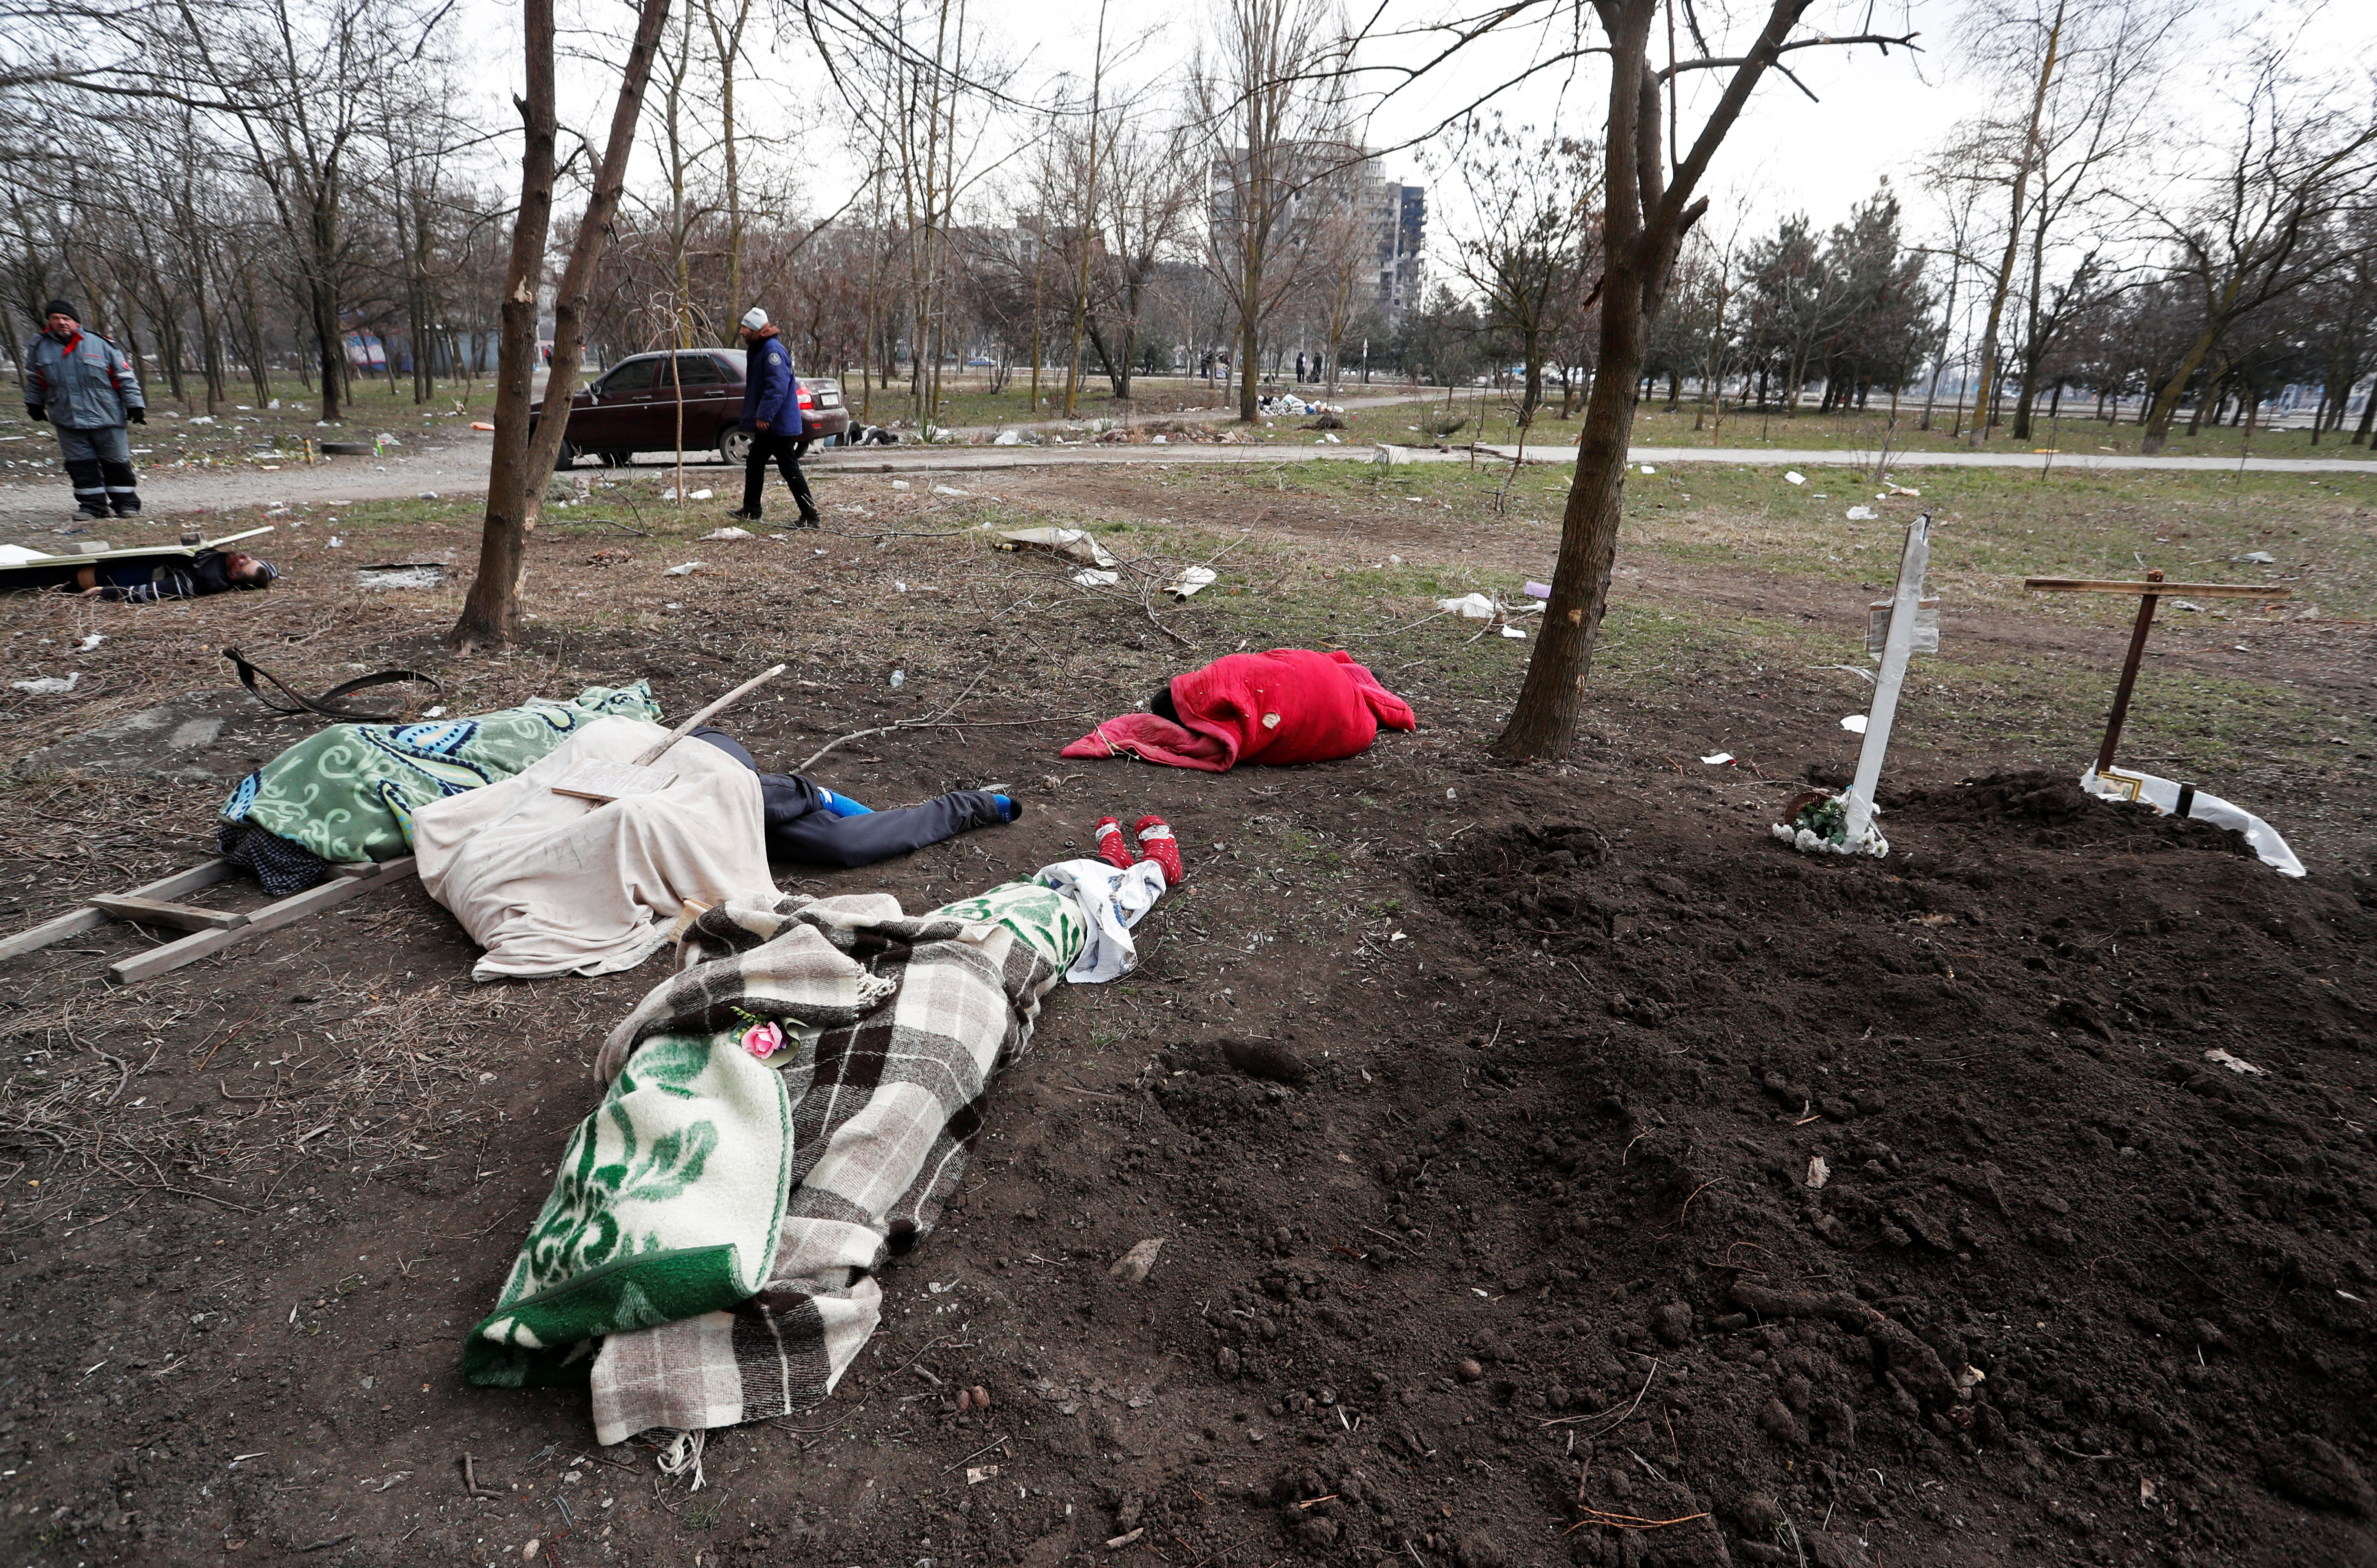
83, 385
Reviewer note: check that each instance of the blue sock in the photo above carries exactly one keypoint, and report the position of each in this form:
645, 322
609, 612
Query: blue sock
1009, 807
843, 806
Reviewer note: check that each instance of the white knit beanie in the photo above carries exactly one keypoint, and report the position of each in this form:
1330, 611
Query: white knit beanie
754, 319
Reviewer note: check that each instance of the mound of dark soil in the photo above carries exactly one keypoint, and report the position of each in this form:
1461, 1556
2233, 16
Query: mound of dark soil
2035, 1156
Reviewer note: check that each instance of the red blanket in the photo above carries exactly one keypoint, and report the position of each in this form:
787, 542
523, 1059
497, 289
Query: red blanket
1289, 705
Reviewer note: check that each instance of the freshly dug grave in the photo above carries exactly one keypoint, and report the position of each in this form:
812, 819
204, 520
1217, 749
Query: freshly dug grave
1913, 1195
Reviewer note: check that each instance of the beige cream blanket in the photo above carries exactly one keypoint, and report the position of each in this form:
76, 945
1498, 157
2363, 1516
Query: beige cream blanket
553, 884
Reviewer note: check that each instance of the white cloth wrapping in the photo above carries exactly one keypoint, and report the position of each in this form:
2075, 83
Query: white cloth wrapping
553, 884
1112, 900
2163, 796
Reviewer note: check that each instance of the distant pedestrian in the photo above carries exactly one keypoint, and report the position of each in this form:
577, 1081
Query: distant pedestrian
1300, 370
84, 387
771, 413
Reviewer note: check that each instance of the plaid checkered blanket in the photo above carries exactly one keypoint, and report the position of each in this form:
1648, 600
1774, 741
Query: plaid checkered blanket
886, 1087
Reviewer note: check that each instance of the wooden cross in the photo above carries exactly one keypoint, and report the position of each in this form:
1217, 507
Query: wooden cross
2153, 591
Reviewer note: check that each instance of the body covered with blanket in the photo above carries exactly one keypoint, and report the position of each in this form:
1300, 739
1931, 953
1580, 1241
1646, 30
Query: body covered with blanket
780, 1120
1286, 706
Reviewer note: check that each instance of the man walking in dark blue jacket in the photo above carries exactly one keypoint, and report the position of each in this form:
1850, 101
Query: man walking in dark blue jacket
771, 413
83, 385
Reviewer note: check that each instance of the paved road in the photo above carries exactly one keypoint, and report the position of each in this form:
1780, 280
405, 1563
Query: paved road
460, 467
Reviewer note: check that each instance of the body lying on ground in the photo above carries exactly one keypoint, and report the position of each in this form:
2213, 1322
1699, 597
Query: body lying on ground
1288, 706
208, 571
782, 1118
811, 824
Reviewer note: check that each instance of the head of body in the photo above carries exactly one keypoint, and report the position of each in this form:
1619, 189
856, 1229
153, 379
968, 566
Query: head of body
61, 321
756, 326
243, 570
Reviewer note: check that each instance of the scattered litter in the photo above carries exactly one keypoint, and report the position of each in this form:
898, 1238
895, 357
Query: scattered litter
1159, 441
1007, 438
48, 686
1862, 514
2260, 558
1133, 1266
1818, 1171
405, 574
1394, 560
1718, 758
1896, 489
685, 570
1190, 580
1469, 606
1094, 578
427, 495
898, 679
976, 1475
2186, 605
1537, 589
1854, 724
900, 484
204, 419
481, 425
436, 713
945, 490
336, 543
1074, 543
671, 495
2235, 1063
1793, 476
93, 640
1513, 632
1648, 469
728, 533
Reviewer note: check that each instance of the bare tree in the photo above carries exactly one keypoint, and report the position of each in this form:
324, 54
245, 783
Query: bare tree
1273, 123
1650, 203
1536, 208
516, 471
2255, 230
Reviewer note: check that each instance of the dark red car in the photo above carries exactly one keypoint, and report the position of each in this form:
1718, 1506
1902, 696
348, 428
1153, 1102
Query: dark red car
635, 407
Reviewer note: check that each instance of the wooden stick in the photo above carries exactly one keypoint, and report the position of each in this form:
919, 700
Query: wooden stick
686, 728
156, 912
271, 918
2199, 590
2113, 720
76, 921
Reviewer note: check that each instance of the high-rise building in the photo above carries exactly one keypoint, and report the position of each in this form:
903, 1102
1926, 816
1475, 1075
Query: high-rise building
1312, 181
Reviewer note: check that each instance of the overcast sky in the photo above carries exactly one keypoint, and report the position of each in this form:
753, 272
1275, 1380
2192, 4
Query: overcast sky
1874, 116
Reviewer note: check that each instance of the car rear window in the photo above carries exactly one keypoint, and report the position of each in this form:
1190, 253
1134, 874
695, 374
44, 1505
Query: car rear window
632, 376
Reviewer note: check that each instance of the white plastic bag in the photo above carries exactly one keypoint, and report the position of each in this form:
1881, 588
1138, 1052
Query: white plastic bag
2163, 796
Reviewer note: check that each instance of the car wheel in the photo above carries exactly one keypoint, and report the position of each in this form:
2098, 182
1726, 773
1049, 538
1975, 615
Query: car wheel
735, 446
568, 457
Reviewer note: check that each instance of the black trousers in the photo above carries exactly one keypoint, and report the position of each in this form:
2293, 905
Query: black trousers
800, 828
784, 451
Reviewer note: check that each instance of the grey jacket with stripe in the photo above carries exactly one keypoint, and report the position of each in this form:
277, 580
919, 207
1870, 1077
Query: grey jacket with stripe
85, 383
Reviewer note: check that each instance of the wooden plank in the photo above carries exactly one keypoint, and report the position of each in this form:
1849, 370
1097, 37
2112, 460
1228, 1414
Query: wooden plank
88, 918
156, 912
271, 918
2163, 590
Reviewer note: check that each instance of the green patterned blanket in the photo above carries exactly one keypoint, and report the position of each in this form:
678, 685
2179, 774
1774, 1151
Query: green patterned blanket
349, 792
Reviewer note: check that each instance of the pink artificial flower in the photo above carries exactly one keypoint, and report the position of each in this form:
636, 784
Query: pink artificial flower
764, 1040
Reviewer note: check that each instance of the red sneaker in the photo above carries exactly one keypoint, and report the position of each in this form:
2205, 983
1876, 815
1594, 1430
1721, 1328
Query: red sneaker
1112, 847
1155, 843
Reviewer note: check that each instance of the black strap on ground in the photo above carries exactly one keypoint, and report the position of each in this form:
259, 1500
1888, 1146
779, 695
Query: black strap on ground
327, 705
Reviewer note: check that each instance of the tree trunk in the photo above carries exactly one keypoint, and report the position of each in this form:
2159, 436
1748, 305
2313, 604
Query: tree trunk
2004, 284
516, 478
2368, 417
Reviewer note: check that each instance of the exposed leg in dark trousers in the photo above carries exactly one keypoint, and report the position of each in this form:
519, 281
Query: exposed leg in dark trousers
800, 828
775, 446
